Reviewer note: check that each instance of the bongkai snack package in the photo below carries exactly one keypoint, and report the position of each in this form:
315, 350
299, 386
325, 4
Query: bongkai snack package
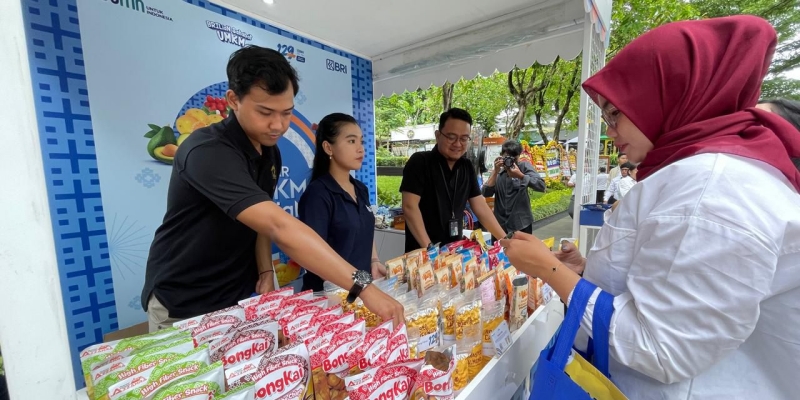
435, 379
390, 382
329, 364
284, 376
258, 306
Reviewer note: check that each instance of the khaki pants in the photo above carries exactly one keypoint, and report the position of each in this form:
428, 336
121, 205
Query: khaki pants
158, 315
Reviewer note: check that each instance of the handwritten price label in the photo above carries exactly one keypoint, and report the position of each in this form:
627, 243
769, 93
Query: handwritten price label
501, 338
428, 341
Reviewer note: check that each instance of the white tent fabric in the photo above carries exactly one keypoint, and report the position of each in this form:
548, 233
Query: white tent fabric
417, 43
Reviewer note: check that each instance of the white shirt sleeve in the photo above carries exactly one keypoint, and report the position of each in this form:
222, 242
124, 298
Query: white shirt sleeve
694, 293
612, 188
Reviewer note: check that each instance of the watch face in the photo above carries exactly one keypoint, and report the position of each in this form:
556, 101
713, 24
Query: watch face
362, 278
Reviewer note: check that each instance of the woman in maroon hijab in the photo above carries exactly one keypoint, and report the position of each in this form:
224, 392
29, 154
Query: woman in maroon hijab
703, 254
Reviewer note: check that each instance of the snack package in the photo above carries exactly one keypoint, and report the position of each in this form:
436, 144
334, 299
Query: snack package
202, 385
364, 313
397, 348
468, 314
258, 306
449, 301
145, 384
426, 279
494, 257
395, 267
425, 317
393, 382
239, 373
431, 254
487, 287
329, 364
190, 390
534, 294
245, 391
102, 354
435, 379
327, 331
456, 273
461, 371
472, 345
284, 376
337, 295
248, 344
288, 304
107, 376
442, 276
519, 302
469, 282
301, 316
412, 269
145, 363
417, 256
192, 323
372, 350
491, 318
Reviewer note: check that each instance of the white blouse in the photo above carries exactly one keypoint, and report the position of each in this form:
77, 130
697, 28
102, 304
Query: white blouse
703, 259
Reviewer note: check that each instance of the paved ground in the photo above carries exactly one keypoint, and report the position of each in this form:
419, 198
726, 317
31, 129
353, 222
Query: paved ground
560, 228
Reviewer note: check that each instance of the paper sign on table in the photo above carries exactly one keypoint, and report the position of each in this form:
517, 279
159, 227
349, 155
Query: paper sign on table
501, 338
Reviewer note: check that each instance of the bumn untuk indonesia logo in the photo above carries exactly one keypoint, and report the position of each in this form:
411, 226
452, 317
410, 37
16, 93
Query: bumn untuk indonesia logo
138, 5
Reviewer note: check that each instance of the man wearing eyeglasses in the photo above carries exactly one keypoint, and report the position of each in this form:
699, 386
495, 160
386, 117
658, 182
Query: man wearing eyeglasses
437, 185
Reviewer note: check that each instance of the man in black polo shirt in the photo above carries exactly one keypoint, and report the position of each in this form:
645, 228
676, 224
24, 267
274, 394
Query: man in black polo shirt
220, 212
437, 185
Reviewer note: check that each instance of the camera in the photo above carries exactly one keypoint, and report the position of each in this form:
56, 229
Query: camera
508, 162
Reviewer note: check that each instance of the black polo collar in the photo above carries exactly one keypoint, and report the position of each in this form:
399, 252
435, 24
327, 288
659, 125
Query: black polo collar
334, 187
240, 139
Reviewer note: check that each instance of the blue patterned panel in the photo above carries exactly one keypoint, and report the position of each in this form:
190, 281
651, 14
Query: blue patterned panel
73, 186
65, 129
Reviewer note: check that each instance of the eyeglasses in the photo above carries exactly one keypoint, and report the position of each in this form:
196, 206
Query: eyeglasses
610, 115
454, 138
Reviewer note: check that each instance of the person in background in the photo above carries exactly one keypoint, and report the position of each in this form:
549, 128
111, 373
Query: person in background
615, 172
220, 210
437, 185
573, 184
602, 184
509, 186
336, 205
626, 183
702, 256
787, 109
611, 194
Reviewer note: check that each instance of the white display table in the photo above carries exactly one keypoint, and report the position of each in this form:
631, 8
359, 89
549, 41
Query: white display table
507, 376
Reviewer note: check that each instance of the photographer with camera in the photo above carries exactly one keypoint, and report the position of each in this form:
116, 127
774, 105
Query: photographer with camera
509, 185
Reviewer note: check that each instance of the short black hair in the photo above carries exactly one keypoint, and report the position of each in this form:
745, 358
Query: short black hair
602, 170
255, 65
629, 165
454, 113
620, 154
511, 148
788, 109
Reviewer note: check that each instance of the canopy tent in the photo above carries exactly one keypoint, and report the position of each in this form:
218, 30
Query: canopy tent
419, 43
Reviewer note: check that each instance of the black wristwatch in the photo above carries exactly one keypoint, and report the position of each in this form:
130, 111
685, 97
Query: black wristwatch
361, 279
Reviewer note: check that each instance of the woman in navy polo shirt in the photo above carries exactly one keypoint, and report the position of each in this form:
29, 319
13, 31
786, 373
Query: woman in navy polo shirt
335, 204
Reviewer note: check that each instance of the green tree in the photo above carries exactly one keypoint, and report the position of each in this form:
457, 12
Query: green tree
631, 18
484, 97
421, 106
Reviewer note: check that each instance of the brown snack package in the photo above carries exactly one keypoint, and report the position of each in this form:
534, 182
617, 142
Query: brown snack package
519, 302
426, 279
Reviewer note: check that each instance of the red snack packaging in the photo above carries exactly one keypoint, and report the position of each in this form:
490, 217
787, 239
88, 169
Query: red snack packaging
393, 382
246, 342
435, 379
284, 375
370, 353
329, 364
258, 306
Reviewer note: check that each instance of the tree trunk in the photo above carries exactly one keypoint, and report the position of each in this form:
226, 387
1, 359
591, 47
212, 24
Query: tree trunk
573, 88
447, 96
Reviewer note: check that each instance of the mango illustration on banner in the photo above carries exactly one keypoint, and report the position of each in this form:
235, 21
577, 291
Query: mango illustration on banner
163, 144
286, 271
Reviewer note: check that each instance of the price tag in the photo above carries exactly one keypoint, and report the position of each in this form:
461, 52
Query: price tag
501, 338
428, 342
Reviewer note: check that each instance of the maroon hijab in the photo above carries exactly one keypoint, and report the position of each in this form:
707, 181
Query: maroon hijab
691, 88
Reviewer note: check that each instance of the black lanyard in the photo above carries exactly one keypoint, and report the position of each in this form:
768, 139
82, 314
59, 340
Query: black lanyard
451, 197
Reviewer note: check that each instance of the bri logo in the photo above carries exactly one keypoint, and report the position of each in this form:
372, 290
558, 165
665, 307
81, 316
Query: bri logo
137, 5
335, 66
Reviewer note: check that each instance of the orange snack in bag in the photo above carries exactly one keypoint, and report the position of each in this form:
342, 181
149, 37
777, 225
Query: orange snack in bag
456, 273
329, 363
426, 279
